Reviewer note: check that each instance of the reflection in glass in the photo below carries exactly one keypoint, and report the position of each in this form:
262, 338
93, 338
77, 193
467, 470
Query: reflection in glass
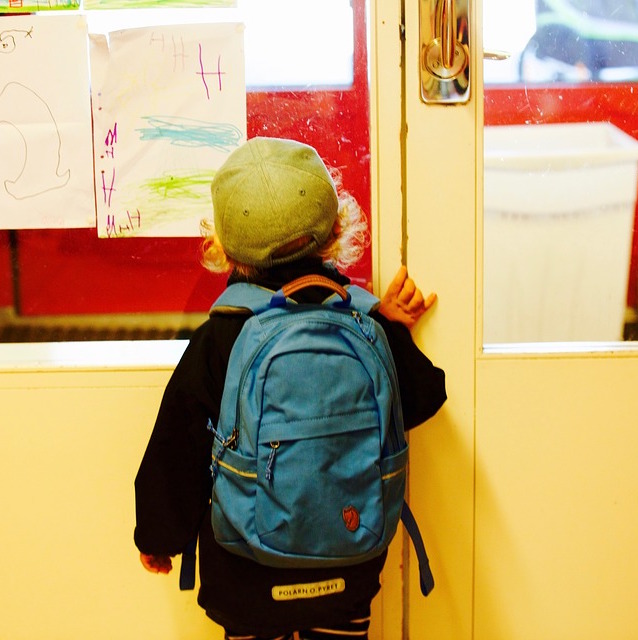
561, 166
582, 40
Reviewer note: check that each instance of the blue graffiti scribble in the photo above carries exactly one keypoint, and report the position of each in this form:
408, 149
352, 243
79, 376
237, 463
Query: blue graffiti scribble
187, 132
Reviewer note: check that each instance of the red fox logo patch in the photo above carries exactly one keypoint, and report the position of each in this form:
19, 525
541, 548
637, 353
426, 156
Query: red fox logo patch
350, 518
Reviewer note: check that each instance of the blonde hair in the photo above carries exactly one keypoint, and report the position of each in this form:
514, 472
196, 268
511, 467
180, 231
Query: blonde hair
343, 248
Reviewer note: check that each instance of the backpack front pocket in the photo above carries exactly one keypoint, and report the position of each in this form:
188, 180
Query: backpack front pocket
320, 495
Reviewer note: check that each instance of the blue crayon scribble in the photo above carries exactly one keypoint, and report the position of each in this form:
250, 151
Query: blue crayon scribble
187, 132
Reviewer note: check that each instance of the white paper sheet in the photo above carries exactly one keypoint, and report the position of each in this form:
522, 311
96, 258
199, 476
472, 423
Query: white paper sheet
46, 157
169, 105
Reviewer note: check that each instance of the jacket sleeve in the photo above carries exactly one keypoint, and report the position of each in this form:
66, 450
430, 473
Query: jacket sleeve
421, 384
172, 486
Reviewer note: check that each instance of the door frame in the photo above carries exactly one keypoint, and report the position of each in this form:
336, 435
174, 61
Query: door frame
434, 231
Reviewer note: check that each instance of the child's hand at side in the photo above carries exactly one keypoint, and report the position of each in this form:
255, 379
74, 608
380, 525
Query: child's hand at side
156, 564
404, 301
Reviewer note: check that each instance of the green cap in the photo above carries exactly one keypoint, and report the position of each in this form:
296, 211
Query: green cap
268, 193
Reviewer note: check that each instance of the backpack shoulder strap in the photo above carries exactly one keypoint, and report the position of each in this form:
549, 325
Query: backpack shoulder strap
362, 300
243, 298
426, 578
187, 570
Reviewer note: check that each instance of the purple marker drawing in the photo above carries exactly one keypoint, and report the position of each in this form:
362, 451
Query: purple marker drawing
108, 191
219, 73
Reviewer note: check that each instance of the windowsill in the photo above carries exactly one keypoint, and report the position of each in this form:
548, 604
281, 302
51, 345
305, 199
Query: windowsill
522, 349
107, 355
165, 354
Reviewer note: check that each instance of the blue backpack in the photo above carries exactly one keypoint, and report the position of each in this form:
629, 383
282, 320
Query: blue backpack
309, 456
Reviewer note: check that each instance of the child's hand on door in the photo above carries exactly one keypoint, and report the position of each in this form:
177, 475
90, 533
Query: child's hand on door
404, 301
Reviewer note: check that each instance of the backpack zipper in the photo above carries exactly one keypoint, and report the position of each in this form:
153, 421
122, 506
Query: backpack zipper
270, 465
224, 443
358, 318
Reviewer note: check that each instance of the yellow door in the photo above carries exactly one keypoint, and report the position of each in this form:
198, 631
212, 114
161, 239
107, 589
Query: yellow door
526, 483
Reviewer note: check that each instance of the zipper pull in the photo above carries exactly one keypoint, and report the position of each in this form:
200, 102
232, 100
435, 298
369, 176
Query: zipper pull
231, 441
214, 467
222, 445
358, 318
271, 460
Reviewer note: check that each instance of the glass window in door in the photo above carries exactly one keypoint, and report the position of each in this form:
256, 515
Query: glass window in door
560, 169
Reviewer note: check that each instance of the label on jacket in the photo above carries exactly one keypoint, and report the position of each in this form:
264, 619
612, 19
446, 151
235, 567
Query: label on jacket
308, 590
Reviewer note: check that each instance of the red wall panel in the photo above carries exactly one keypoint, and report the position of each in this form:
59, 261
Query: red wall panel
6, 285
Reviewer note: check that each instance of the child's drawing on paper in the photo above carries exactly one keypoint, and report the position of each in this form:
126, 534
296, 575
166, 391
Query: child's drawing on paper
35, 174
169, 105
11, 38
37, 170
157, 4
28, 6
45, 124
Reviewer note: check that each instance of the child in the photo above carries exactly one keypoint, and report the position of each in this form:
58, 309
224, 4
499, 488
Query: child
277, 216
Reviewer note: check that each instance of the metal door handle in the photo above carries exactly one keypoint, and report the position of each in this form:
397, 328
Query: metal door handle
444, 51
495, 54
446, 26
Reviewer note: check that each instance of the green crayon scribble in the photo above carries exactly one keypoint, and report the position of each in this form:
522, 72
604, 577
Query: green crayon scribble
189, 186
30, 7
171, 198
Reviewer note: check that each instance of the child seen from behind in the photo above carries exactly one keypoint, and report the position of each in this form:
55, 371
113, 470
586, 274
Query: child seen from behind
278, 215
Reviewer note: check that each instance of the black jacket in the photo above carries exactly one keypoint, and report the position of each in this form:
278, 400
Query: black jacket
173, 485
